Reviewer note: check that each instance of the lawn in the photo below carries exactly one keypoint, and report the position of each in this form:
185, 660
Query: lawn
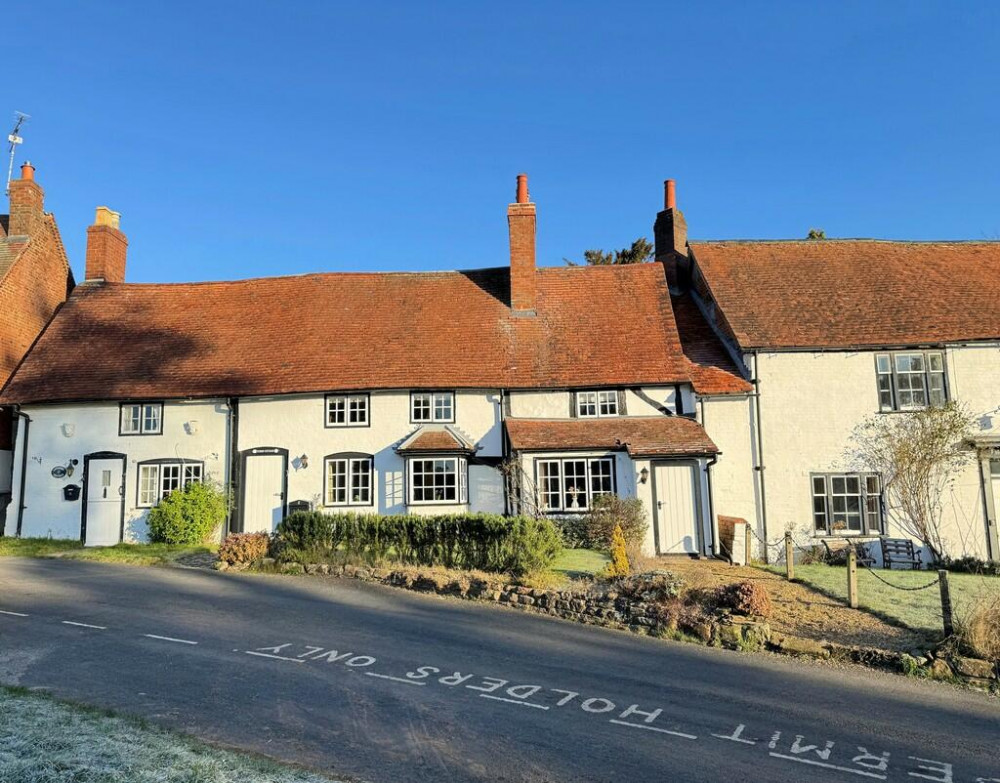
44, 740
577, 563
917, 609
131, 554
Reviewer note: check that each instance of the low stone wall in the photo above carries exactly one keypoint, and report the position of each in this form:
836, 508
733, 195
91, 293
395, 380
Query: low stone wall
639, 606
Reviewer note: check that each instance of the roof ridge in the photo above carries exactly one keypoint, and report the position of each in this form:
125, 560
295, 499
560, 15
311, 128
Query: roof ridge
830, 240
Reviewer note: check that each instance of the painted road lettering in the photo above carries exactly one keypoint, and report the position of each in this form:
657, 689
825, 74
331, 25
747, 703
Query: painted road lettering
781, 745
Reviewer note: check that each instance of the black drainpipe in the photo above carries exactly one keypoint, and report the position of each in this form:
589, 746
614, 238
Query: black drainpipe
234, 461
760, 449
711, 505
24, 468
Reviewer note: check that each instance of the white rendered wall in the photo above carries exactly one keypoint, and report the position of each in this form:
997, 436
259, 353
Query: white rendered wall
727, 422
297, 423
556, 404
811, 404
95, 428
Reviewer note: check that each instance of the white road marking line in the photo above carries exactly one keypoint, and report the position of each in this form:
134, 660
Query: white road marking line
654, 728
828, 766
394, 679
276, 657
15, 614
168, 639
85, 625
513, 701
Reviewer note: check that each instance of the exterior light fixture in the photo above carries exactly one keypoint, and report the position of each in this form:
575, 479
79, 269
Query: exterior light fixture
304, 461
644, 475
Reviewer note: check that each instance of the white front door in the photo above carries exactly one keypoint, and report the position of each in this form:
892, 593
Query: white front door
676, 508
263, 492
105, 489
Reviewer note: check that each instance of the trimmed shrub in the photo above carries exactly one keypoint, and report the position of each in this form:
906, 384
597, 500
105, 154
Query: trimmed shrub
574, 532
618, 567
483, 542
189, 515
746, 598
239, 548
610, 511
972, 565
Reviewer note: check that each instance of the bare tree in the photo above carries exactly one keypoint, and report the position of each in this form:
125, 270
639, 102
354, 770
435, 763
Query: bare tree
519, 487
919, 456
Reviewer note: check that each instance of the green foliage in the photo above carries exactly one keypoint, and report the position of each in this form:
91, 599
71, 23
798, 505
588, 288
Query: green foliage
816, 233
619, 566
189, 515
640, 251
244, 547
608, 512
484, 542
972, 565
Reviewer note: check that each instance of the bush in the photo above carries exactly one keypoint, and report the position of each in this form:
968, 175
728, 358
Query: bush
746, 598
574, 532
618, 567
483, 542
972, 565
980, 629
609, 511
241, 548
189, 515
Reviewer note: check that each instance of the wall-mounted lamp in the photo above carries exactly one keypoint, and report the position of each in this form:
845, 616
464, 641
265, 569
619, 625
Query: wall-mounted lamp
192, 427
644, 475
304, 461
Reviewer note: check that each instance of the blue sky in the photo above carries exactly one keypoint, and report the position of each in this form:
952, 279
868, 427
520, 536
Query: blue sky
258, 138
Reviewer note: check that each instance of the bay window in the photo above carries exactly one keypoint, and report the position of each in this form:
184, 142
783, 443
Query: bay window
438, 480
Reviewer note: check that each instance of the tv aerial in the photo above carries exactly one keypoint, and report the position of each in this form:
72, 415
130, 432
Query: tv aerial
14, 139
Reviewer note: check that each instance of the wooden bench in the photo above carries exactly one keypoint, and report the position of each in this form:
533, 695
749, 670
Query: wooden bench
900, 551
838, 552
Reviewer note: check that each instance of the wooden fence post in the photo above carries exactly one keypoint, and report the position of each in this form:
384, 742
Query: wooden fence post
749, 556
949, 624
789, 558
852, 578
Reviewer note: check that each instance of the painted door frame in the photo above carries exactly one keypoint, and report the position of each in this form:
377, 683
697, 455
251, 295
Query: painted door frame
262, 451
86, 485
695, 466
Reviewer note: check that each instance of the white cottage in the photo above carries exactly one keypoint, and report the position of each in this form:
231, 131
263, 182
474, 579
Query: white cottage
387, 392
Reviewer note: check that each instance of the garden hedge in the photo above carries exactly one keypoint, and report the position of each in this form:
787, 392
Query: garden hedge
484, 542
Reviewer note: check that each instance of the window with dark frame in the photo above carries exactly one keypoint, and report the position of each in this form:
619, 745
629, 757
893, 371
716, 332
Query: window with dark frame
438, 480
847, 504
347, 410
436, 406
910, 380
570, 485
141, 418
349, 480
159, 479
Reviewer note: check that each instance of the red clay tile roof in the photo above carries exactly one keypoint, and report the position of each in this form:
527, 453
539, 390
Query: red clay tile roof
710, 366
595, 326
854, 293
641, 436
426, 439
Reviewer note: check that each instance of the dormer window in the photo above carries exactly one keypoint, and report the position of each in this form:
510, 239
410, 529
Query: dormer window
910, 380
597, 404
436, 406
141, 418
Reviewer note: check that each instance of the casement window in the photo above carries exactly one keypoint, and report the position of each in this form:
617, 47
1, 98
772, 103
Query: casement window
596, 404
349, 480
438, 480
910, 380
141, 418
159, 479
571, 485
846, 504
347, 410
432, 407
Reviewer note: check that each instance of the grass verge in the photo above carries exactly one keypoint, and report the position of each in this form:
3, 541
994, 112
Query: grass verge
131, 554
916, 609
43, 740
579, 563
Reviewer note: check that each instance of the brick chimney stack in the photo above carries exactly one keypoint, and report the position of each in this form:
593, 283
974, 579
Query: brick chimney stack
521, 222
106, 246
670, 238
27, 201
